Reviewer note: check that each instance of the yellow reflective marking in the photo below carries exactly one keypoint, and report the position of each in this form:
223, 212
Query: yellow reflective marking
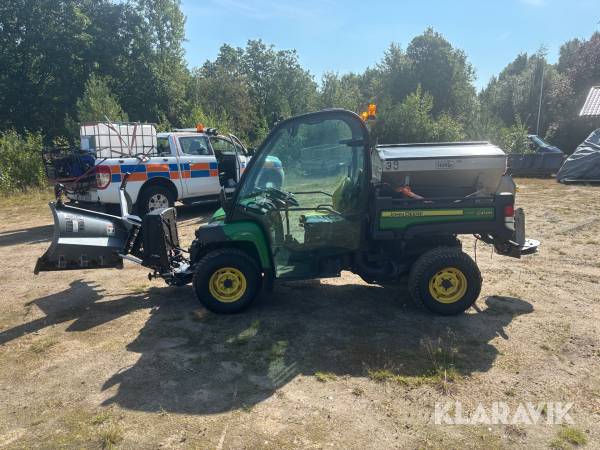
423, 213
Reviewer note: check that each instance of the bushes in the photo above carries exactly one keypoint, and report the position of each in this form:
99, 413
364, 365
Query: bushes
513, 139
412, 121
20, 161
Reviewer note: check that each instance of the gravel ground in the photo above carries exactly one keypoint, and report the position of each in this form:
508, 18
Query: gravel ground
106, 358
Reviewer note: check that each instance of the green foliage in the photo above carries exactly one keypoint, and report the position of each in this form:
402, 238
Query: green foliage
221, 122
252, 88
341, 92
513, 139
98, 102
50, 48
567, 437
412, 121
20, 161
516, 92
429, 61
67, 61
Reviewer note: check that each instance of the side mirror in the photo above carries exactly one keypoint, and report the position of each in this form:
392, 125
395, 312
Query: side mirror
251, 151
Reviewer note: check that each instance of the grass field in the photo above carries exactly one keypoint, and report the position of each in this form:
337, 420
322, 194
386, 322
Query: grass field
108, 359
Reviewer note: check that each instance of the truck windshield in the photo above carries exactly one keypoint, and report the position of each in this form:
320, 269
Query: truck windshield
311, 159
539, 141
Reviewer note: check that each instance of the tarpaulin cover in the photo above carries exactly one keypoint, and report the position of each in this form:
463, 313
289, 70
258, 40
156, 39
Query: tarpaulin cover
540, 163
584, 163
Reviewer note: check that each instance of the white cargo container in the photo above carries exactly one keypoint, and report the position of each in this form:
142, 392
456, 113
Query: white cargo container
440, 169
117, 140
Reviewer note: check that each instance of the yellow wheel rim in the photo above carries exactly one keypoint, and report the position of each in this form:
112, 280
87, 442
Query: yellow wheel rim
227, 284
448, 285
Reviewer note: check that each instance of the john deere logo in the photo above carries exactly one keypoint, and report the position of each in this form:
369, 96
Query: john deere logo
423, 213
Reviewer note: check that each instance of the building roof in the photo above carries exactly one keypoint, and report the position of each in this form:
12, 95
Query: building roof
591, 106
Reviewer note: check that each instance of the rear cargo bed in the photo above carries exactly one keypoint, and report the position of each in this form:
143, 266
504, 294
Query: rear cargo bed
454, 169
406, 218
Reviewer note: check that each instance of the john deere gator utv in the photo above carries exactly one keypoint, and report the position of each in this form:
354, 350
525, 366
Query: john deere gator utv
381, 212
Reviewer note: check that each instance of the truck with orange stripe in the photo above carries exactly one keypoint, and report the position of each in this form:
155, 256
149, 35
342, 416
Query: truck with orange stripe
190, 165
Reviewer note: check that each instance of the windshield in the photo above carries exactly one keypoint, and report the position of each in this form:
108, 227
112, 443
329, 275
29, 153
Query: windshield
539, 141
309, 159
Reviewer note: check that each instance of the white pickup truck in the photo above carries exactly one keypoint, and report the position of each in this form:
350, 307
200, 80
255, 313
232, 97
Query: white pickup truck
189, 165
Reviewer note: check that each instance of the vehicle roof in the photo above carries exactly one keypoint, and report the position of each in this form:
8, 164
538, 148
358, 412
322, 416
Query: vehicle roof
187, 133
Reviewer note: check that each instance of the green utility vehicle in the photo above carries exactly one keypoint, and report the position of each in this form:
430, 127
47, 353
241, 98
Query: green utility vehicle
385, 212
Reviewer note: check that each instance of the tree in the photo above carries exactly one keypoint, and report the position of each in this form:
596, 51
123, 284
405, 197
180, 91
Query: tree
253, 87
44, 59
432, 62
98, 102
160, 39
578, 70
341, 92
50, 48
20, 163
444, 72
279, 86
220, 89
412, 121
516, 90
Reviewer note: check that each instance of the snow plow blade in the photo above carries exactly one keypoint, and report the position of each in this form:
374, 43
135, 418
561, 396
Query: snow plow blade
83, 239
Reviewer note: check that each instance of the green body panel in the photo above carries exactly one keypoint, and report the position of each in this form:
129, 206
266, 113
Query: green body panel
242, 231
404, 218
219, 214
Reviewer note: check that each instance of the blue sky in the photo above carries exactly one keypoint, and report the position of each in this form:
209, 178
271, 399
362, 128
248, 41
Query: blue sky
345, 36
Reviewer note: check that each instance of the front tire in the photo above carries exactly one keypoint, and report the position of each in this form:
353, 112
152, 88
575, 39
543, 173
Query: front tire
226, 281
445, 280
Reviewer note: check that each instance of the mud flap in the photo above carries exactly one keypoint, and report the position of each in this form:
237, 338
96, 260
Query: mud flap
518, 245
83, 239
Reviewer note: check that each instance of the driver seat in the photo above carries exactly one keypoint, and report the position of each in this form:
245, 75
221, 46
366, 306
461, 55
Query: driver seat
346, 198
339, 228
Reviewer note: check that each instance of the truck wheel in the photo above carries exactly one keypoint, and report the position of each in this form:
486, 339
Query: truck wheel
154, 197
226, 280
445, 280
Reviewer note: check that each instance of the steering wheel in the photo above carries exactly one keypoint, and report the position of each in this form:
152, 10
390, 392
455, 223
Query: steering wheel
287, 198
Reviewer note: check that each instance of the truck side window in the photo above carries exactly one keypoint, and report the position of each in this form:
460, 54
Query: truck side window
162, 146
221, 146
194, 145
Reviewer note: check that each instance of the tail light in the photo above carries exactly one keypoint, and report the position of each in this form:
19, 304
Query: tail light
509, 216
509, 211
102, 177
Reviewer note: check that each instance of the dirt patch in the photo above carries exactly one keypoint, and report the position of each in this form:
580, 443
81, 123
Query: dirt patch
106, 358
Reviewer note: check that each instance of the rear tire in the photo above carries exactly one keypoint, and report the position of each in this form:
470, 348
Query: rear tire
445, 280
154, 197
226, 281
